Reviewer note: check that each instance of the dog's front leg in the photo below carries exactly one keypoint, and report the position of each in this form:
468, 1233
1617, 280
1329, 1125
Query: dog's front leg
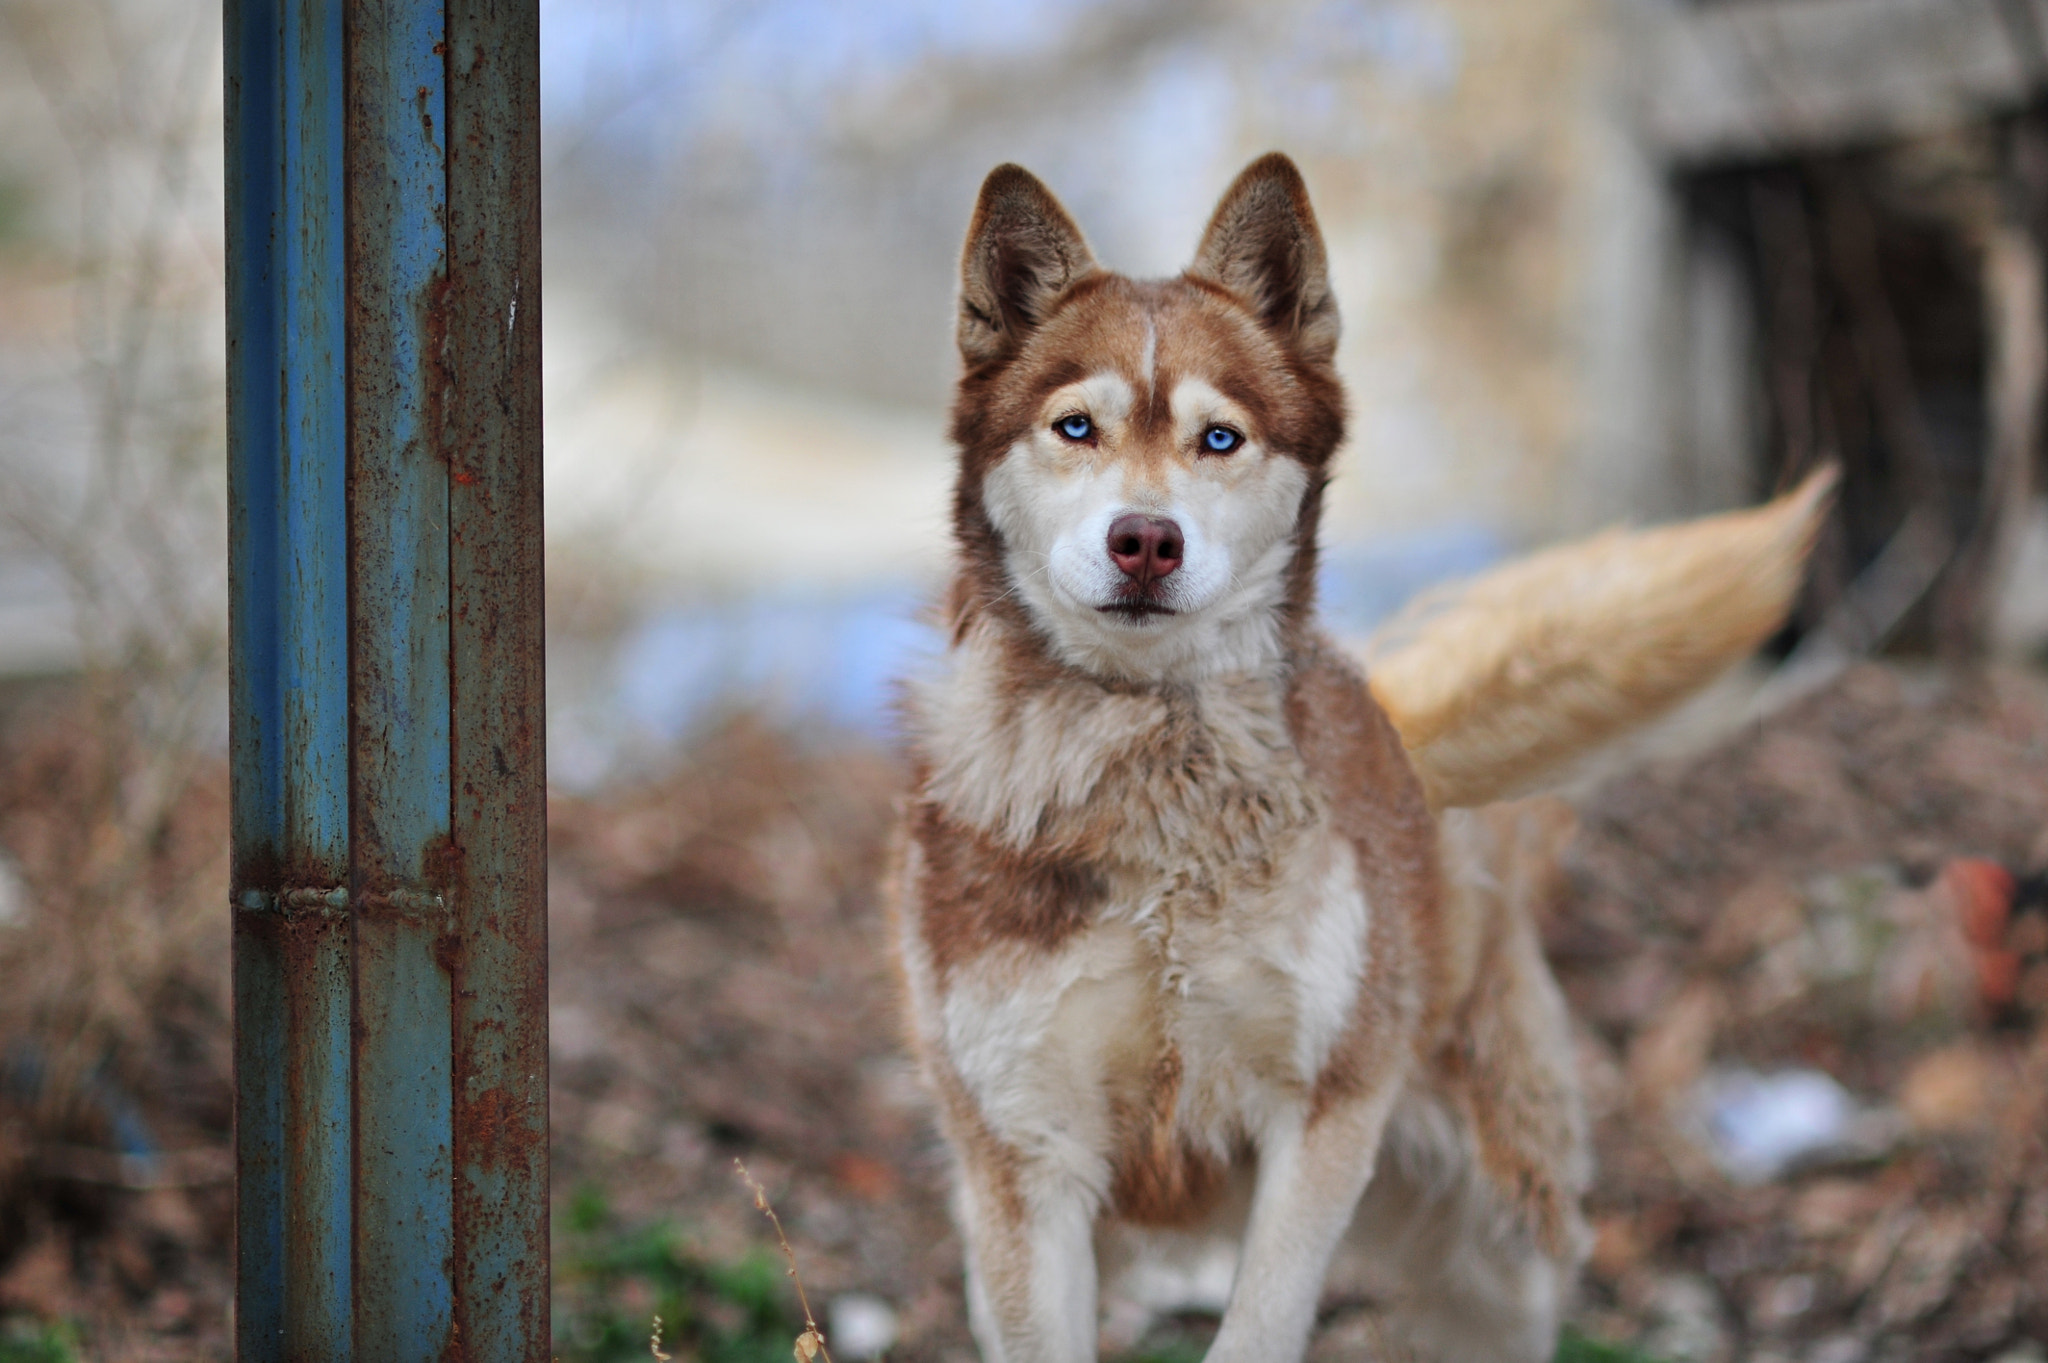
1030, 1257
1313, 1167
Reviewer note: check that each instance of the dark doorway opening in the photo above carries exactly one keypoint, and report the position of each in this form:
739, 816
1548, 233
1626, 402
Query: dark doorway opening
1893, 324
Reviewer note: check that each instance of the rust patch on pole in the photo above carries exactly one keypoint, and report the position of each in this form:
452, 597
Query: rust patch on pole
499, 728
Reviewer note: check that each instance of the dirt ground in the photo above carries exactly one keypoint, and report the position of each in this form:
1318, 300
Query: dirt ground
1790, 904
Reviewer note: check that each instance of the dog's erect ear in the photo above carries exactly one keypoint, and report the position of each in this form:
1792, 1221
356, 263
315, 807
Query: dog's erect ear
1263, 245
1022, 251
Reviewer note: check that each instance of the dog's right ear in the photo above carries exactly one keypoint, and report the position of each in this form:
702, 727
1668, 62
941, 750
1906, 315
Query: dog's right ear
1022, 252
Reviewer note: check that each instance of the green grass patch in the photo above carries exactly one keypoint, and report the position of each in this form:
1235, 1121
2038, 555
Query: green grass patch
612, 1280
1573, 1347
32, 1341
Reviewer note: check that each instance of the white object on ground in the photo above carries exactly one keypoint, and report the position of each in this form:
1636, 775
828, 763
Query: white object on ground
859, 1325
13, 894
1761, 1123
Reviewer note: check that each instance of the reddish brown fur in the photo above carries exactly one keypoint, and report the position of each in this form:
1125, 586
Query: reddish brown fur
974, 893
1377, 803
1514, 1102
1160, 1179
1518, 1099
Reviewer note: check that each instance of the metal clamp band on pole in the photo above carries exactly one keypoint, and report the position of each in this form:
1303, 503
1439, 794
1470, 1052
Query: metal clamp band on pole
389, 825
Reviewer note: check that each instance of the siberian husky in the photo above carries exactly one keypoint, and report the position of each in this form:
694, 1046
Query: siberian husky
1195, 918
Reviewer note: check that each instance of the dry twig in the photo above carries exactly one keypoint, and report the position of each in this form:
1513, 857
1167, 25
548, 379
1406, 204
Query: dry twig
811, 1343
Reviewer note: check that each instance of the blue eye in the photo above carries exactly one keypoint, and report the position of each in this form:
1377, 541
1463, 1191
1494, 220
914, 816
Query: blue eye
1221, 440
1075, 427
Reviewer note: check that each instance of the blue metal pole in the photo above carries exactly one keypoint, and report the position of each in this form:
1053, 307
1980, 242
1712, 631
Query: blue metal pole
405, 938
389, 781
288, 654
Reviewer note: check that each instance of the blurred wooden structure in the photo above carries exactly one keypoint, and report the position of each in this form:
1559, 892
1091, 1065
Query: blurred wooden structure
1862, 200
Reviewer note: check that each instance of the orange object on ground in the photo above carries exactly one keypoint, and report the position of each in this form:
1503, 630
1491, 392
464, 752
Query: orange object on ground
1982, 891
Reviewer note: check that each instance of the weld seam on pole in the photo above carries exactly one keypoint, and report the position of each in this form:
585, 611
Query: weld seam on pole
406, 903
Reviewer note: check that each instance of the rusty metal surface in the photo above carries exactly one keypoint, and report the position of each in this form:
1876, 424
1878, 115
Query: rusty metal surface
389, 782
259, 1144
500, 794
313, 948
405, 945
288, 645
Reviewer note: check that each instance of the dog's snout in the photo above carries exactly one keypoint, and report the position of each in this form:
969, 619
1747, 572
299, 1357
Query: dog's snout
1145, 548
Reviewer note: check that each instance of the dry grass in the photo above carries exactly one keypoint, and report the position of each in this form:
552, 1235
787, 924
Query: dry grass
1777, 905
810, 1344
114, 1088
122, 851
114, 1035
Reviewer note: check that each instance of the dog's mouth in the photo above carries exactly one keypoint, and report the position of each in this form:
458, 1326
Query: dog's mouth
1135, 608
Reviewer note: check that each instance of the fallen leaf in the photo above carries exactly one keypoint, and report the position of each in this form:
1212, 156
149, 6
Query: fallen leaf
1948, 1090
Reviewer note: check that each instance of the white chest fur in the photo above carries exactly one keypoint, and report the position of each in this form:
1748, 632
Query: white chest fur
1250, 994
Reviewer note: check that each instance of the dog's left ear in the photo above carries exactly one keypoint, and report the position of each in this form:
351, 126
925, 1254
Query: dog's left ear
1264, 246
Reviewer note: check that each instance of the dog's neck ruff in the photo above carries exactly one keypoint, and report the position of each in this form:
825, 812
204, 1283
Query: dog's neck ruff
1048, 760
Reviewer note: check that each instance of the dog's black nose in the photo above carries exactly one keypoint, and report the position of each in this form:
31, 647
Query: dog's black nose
1145, 548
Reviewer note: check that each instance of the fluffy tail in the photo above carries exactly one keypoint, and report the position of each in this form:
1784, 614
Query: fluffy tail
1497, 683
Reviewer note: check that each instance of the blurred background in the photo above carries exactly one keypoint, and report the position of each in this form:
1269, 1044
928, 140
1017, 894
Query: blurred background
1598, 261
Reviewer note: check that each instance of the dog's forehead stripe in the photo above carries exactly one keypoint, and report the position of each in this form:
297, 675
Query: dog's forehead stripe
1226, 352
